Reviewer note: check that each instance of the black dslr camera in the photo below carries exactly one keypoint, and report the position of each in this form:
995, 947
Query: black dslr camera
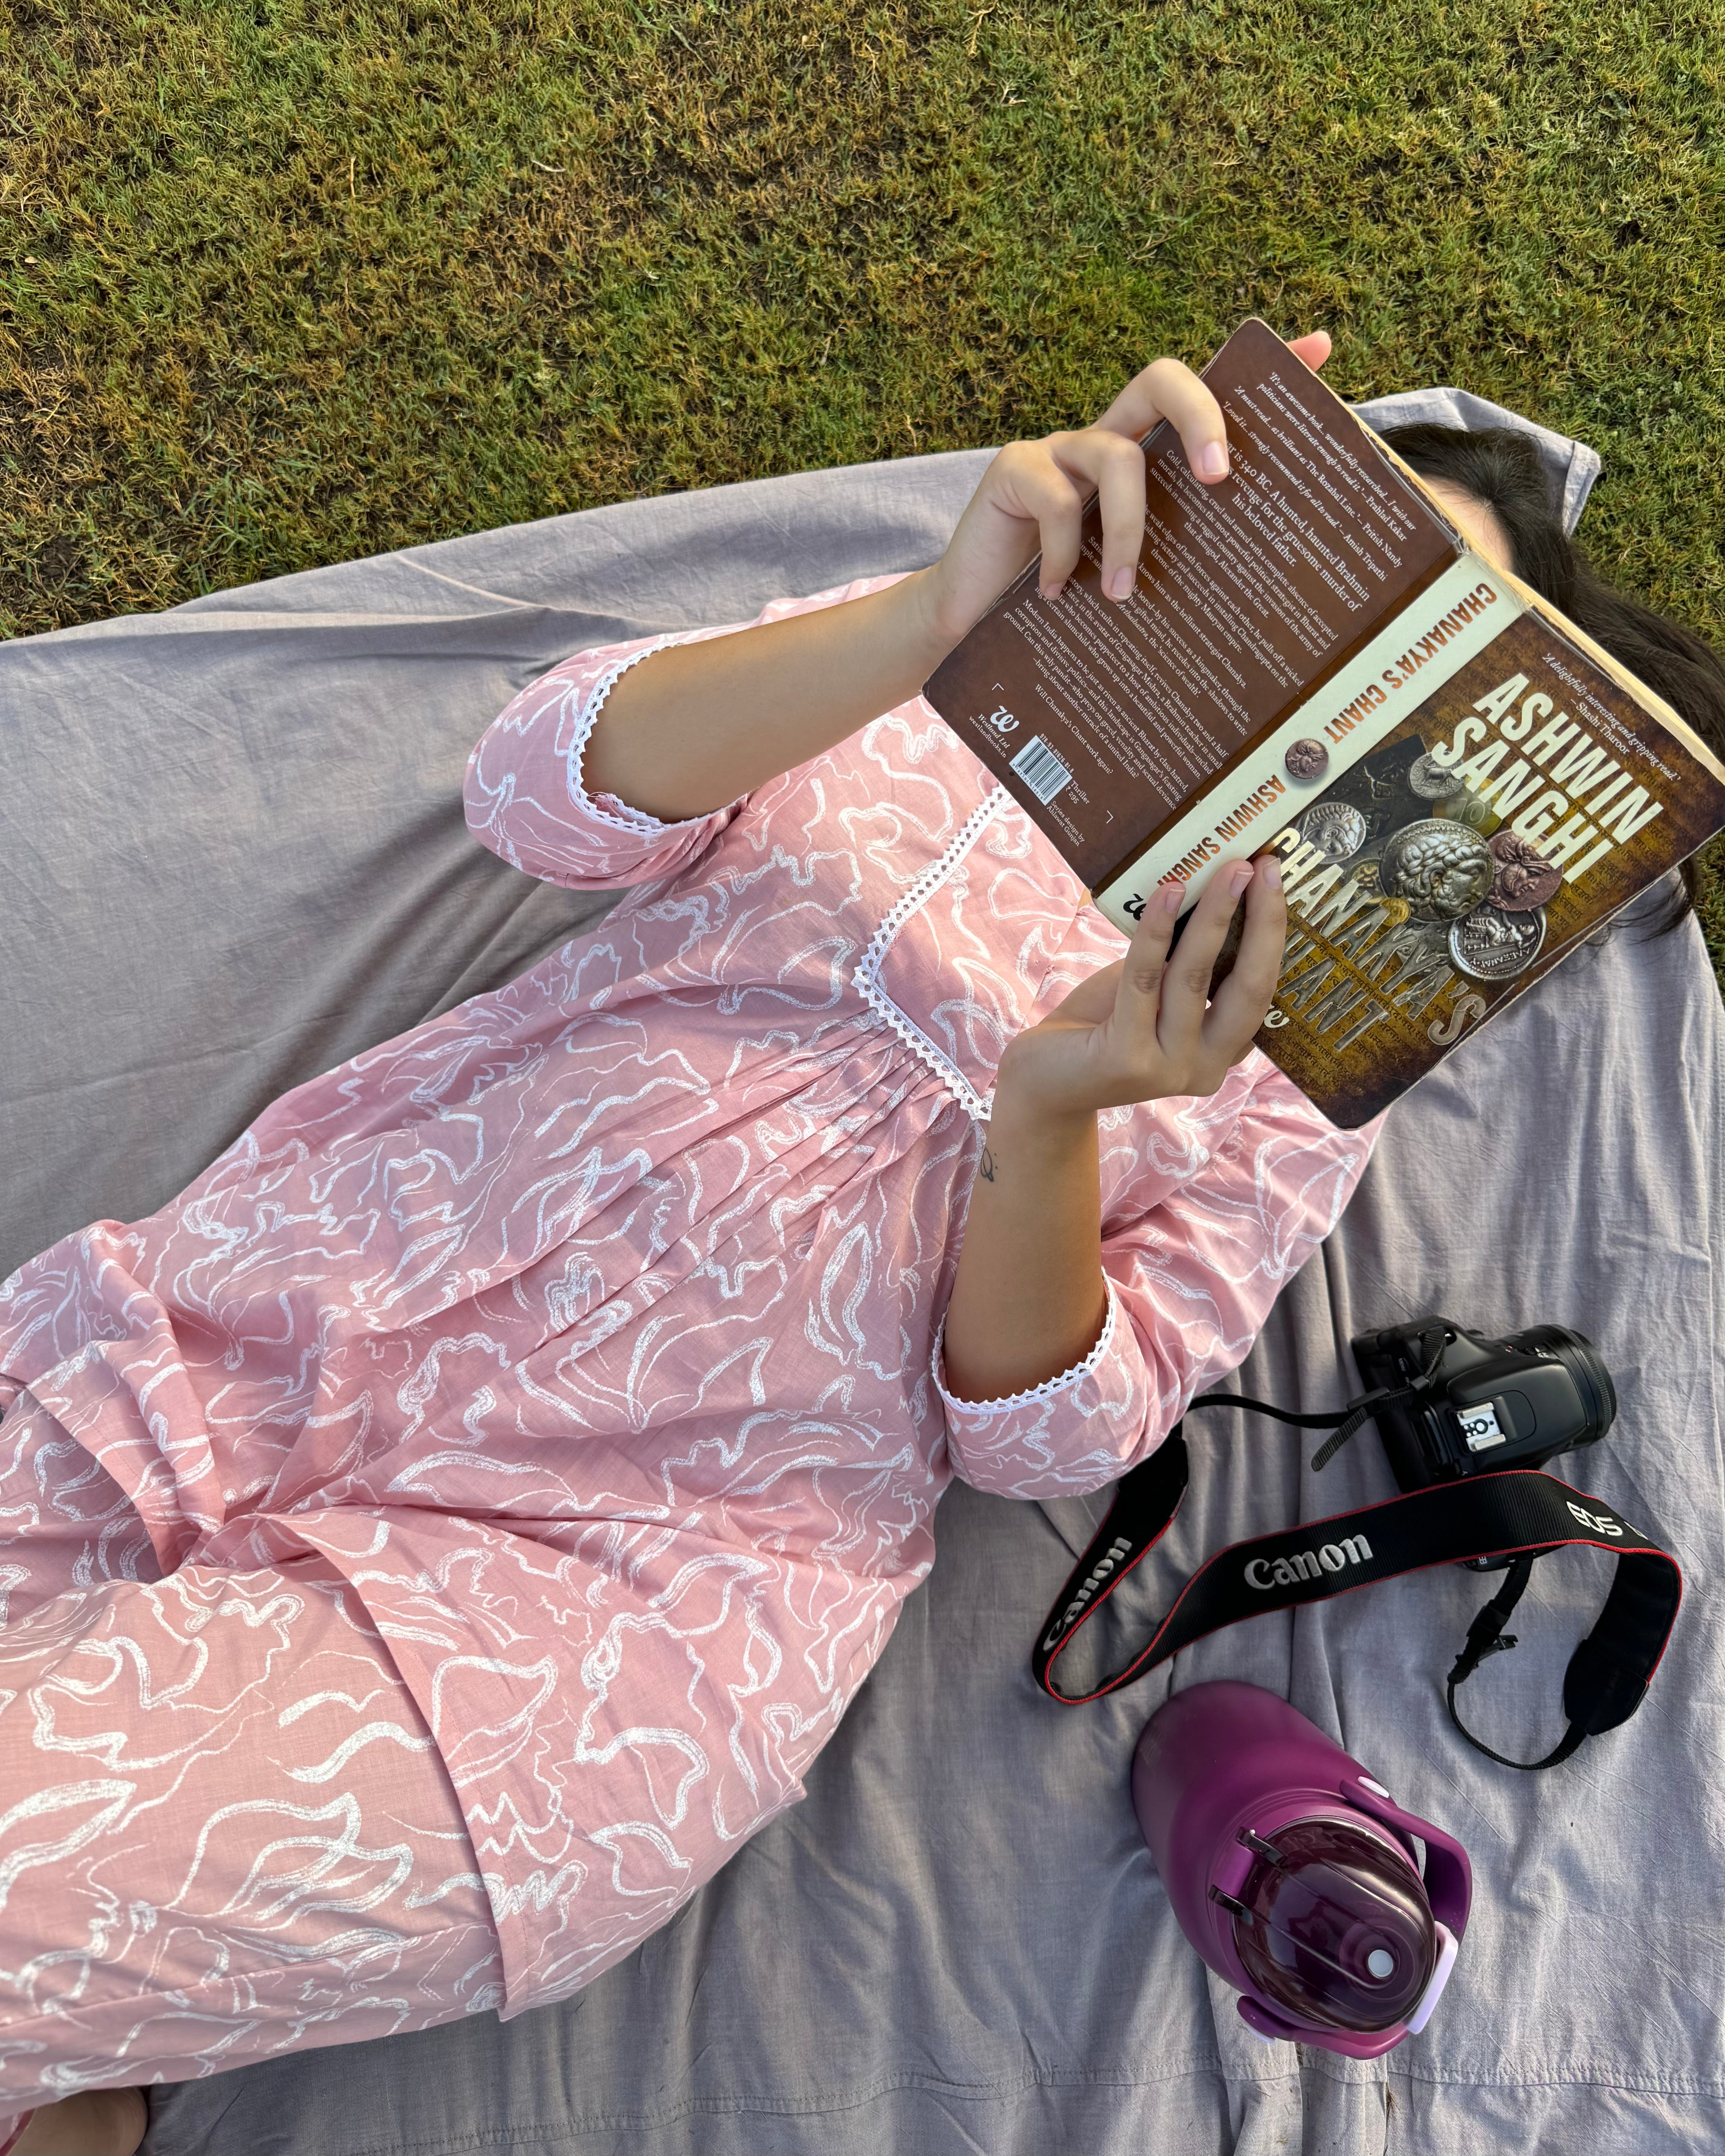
1456, 1403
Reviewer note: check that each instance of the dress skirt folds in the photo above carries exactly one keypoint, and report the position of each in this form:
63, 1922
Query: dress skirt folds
436, 1541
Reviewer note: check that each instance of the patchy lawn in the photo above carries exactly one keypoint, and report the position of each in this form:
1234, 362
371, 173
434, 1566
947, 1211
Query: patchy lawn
283, 283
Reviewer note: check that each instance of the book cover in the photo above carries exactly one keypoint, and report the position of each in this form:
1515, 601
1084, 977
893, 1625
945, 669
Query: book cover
1111, 723
1503, 820
1461, 785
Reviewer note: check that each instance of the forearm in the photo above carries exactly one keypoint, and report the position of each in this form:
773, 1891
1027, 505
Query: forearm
1029, 1298
695, 726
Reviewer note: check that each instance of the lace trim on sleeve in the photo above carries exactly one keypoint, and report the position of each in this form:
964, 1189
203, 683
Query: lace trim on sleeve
1051, 1389
866, 976
638, 823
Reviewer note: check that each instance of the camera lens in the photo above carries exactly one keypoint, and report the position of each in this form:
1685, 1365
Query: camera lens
1585, 1365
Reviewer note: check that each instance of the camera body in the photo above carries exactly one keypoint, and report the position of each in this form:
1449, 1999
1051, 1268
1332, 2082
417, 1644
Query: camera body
1485, 1403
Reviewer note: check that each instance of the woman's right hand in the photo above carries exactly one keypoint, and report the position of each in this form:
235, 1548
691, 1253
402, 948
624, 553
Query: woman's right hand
700, 724
1032, 495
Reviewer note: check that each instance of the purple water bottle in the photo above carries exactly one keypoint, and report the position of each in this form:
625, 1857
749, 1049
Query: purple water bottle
1294, 1874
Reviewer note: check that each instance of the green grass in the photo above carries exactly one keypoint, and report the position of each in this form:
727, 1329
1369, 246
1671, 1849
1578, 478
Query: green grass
288, 283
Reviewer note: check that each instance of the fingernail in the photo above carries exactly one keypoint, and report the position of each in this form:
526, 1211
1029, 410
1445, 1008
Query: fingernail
1120, 584
1239, 877
1213, 460
1171, 894
1053, 590
1271, 873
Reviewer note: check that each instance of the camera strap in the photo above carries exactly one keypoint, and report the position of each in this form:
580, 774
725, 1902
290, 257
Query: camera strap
1519, 1512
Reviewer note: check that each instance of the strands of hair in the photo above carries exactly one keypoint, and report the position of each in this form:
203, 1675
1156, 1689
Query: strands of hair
1501, 468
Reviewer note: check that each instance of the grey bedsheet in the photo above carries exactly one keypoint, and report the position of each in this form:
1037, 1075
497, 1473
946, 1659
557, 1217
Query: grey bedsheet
234, 854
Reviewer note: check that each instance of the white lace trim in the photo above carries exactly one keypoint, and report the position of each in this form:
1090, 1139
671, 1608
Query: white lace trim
638, 823
866, 976
1051, 1389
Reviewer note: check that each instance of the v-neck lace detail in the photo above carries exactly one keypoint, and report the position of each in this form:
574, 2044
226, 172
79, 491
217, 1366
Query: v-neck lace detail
867, 975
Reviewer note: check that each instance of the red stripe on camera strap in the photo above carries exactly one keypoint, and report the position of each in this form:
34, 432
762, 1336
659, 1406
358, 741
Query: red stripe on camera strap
1521, 1513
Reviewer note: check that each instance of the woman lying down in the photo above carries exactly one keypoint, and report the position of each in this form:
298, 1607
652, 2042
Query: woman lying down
432, 1544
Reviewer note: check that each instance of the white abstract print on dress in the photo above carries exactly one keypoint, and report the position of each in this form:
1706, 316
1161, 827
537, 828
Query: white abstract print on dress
590, 1332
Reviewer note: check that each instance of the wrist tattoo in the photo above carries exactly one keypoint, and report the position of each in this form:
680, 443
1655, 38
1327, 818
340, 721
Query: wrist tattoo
985, 1167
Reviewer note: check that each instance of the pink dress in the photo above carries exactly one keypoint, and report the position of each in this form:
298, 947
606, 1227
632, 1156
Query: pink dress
588, 1335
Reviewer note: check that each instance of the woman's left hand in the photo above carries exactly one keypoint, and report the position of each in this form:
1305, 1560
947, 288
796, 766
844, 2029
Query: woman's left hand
1140, 1029
1029, 1298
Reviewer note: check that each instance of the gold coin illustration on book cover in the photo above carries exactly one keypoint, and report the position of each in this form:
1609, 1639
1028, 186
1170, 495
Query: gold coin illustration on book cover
1442, 869
1335, 828
1467, 808
1491, 945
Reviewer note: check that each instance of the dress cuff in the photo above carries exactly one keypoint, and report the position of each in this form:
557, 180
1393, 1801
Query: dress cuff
606, 808
1050, 1389
1074, 1432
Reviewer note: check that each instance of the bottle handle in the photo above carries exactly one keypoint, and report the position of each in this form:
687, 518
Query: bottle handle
1449, 1876
1448, 1946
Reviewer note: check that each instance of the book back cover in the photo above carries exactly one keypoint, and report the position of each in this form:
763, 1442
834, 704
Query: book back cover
1106, 720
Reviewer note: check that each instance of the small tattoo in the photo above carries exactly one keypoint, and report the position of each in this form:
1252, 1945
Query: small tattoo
986, 1168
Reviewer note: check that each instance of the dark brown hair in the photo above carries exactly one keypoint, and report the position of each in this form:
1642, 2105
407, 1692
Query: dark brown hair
1501, 468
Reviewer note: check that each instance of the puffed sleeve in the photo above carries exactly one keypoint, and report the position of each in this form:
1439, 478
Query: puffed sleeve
524, 793
1189, 1284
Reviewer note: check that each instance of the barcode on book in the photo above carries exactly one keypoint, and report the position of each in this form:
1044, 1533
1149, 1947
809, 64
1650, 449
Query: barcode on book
1040, 768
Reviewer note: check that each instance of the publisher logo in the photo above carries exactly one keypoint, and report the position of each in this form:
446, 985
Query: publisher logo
1000, 721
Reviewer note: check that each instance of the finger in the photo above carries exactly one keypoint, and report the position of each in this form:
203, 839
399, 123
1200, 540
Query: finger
1114, 464
1138, 1000
1241, 1002
1186, 986
1034, 486
1314, 348
1166, 390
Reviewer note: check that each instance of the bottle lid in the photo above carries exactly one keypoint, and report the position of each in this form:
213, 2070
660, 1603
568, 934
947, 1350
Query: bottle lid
1333, 1925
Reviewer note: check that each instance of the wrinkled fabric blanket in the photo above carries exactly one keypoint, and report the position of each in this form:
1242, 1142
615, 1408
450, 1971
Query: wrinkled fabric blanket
235, 854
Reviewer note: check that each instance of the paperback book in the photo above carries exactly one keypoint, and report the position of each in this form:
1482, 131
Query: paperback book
1461, 786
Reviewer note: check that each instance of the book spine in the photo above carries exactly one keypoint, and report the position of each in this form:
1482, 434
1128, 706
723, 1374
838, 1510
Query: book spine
1427, 643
